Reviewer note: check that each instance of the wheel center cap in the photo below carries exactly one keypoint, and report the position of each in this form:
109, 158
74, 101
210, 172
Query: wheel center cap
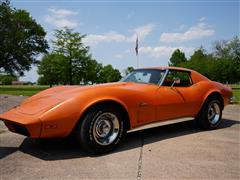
103, 128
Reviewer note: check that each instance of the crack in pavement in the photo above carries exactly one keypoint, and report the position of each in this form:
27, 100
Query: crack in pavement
139, 172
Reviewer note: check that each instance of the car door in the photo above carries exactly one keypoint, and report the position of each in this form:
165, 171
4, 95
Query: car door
146, 92
176, 96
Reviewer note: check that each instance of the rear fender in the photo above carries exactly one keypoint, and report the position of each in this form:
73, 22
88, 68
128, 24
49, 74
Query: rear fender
209, 94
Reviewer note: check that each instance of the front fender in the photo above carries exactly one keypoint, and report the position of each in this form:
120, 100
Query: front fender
60, 120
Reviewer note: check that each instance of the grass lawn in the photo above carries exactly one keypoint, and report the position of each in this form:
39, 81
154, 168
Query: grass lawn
24, 90
236, 94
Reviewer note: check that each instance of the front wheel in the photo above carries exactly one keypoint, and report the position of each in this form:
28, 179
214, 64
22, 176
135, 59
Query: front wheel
100, 130
210, 115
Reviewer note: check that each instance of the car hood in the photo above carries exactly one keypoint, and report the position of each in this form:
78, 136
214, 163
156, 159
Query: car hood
51, 97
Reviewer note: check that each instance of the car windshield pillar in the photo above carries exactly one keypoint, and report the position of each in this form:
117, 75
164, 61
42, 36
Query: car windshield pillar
164, 77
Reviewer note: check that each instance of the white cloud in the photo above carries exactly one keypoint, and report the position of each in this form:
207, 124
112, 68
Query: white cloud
160, 51
112, 36
202, 19
62, 12
61, 18
94, 39
60, 22
195, 32
142, 32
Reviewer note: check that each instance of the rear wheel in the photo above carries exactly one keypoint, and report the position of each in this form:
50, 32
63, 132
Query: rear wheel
101, 130
210, 115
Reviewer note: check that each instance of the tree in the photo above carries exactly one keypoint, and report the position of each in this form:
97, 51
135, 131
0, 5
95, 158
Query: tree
7, 79
128, 70
222, 65
21, 39
109, 74
177, 58
228, 49
92, 71
69, 44
199, 61
71, 63
52, 69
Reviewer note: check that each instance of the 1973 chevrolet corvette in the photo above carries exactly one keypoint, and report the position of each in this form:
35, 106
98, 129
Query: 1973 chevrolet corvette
100, 115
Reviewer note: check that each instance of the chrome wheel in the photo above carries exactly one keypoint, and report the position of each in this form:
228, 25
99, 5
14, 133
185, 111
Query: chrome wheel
106, 128
214, 111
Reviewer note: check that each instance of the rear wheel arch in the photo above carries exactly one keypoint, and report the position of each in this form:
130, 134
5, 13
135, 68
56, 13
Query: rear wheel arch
210, 114
214, 95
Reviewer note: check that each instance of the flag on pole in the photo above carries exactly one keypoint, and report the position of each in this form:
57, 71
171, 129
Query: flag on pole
136, 48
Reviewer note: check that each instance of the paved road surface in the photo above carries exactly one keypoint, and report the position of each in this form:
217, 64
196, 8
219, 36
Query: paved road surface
176, 151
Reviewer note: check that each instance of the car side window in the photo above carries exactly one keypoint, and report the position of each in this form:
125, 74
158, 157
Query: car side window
184, 79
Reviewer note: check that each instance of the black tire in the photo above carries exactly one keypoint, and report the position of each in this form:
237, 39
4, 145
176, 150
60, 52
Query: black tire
93, 132
210, 115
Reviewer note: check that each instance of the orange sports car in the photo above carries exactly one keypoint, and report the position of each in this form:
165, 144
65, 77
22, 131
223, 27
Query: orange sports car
100, 115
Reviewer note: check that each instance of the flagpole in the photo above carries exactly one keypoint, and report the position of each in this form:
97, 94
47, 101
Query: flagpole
137, 60
136, 49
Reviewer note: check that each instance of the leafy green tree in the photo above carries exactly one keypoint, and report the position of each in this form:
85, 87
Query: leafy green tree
52, 69
128, 70
200, 61
109, 74
222, 65
69, 44
92, 71
177, 58
7, 79
21, 39
228, 49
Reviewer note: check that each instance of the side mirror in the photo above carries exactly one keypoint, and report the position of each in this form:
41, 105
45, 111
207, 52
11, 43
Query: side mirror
175, 81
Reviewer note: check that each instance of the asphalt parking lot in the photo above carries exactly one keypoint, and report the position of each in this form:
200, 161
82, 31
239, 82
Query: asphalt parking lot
175, 151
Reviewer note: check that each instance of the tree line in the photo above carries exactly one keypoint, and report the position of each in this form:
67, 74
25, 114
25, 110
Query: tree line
222, 65
69, 61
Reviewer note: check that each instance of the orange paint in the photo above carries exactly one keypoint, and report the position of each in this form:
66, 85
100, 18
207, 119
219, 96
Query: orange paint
55, 111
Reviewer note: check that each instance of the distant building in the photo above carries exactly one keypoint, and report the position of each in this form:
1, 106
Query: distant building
20, 83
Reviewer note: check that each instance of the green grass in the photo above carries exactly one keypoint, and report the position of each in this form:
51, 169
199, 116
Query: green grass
235, 86
24, 90
236, 92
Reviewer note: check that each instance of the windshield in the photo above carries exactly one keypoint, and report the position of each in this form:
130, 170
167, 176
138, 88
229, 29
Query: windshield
145, 76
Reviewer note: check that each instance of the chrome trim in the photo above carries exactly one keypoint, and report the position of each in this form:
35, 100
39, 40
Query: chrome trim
163, 78
106, 128
214, 113
143, 104
160, 123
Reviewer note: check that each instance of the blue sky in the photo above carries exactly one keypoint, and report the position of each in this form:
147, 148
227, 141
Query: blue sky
162, 26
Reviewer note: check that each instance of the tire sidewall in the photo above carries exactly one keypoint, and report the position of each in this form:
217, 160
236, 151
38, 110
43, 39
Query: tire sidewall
204, 116
86, 130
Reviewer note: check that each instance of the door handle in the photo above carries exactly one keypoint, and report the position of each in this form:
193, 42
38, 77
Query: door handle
143, 104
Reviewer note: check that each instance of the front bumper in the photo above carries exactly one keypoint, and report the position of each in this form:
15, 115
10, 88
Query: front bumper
21, 123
